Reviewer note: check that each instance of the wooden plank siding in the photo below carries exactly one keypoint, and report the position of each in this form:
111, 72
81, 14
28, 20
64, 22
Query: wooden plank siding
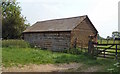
56, 41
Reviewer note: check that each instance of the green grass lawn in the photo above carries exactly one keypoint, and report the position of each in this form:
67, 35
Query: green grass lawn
13, 56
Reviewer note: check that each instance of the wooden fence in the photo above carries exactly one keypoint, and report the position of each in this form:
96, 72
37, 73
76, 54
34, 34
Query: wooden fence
107, 49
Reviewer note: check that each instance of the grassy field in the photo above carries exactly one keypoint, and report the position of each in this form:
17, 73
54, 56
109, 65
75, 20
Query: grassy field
16, 56
109, 41
13, 56
15, 43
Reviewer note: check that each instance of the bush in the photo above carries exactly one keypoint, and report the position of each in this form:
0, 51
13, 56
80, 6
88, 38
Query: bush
74, 51
15, 43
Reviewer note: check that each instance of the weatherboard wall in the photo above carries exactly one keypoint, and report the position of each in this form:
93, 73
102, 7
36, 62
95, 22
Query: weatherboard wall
56, 41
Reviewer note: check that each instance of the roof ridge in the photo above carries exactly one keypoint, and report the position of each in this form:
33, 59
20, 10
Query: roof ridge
62, 24
60, 19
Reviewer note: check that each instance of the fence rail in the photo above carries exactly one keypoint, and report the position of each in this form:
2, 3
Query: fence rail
106, 49
108, 41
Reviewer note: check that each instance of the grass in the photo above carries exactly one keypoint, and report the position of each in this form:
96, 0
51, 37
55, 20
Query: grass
13, 55
104, 41
15, 43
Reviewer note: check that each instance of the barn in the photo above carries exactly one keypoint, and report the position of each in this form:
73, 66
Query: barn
61, 34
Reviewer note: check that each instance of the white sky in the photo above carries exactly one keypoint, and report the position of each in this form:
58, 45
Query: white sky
102, 13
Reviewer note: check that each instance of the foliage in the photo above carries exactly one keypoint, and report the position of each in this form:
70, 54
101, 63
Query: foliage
99, 37
116, 35
109, 38
15, 43
75, 51
115, 68
13, 23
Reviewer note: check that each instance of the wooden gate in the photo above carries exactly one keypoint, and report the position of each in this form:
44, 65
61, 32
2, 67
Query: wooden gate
107, 49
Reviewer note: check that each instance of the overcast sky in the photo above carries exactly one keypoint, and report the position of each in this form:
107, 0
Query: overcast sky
102, 13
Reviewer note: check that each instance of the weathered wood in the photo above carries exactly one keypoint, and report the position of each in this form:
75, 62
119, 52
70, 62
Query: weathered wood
53, 41
90, 47
105, 57
108, 54
106, 51
116, 51
60, 34
104, 54
104, 48
105, 44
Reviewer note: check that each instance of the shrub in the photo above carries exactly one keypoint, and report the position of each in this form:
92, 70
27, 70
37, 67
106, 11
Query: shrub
74, 51
15, 43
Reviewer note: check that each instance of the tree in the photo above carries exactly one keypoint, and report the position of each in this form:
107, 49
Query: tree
13, 23
99, 37
108, 37
116, 35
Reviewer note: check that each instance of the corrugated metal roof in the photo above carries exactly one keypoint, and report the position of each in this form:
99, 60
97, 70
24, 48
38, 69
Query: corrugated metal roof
64, 24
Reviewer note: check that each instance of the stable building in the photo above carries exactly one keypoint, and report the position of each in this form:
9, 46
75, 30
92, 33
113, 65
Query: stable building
61, 34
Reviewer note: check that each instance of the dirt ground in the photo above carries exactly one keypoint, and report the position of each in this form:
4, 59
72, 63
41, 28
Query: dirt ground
42, 68
48, 68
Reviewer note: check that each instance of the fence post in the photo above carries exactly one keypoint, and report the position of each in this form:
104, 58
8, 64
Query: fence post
104, 53
116, 51
75, 43
89, 46
97, 51
81, 46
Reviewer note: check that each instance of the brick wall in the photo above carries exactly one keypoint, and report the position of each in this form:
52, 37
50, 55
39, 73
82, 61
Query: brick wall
81, 32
